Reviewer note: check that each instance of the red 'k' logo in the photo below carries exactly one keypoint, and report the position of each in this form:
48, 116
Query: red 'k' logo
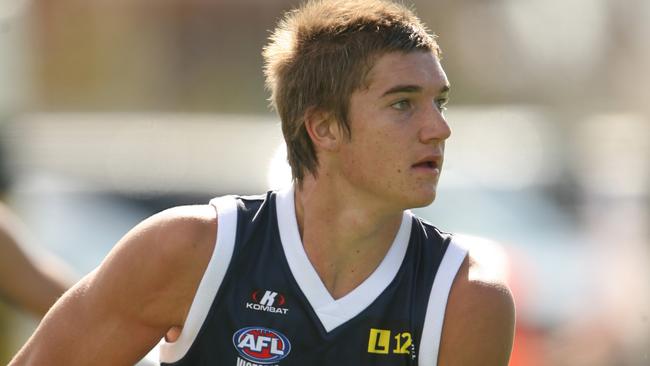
269, 298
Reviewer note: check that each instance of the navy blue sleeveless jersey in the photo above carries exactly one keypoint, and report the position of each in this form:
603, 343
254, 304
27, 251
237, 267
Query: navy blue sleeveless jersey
260, 301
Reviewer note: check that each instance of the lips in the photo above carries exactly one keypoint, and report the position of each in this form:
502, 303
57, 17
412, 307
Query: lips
426, 164
429, 162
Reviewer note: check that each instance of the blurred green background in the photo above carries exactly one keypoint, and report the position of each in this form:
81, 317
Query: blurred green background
113, 110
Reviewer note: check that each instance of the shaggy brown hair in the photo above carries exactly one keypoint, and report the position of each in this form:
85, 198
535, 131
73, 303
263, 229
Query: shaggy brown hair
322, 52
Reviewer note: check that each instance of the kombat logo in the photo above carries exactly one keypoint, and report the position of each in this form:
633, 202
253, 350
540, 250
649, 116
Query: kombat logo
270, 302
259, 346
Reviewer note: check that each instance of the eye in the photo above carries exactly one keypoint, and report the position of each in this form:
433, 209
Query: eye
441, 104
402, 105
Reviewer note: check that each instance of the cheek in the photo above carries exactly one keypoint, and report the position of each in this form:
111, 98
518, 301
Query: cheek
364, 155
384, 152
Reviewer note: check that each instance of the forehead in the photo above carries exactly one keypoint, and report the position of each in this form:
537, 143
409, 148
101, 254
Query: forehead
418, 68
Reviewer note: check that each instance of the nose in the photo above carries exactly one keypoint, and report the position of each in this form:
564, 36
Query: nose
434, 126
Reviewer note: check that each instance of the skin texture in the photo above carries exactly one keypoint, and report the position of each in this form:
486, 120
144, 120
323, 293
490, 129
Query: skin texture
142, 290
479, 320
364, 183
396, 122
348, 216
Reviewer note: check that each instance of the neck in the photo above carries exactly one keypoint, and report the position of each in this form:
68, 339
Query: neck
345, 235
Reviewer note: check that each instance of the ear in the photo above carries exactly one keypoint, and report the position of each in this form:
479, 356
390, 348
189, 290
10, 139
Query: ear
323, 129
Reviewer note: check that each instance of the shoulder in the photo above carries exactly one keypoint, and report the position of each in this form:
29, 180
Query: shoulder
173, 234
176, 235
480, 316
159, 263
181, 228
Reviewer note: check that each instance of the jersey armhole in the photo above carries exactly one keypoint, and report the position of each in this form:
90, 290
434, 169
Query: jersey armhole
226, 208
437, 305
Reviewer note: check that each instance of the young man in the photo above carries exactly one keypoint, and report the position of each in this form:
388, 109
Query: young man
335, 269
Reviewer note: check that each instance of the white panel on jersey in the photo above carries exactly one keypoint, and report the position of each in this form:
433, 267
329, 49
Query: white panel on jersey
437, 305
331, 312
227, 228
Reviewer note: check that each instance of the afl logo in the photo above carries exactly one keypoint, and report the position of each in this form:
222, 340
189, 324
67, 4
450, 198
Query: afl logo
261, 345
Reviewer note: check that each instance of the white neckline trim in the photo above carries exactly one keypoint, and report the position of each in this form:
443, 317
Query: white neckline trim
331, 312
437, 305
226, 207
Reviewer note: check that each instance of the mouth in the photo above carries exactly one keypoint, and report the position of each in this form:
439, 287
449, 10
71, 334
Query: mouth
429, 164
426, 164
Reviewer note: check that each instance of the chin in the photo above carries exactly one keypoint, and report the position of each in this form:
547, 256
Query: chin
421, 200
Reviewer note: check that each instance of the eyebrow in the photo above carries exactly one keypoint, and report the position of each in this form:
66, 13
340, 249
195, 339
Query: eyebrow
410, 89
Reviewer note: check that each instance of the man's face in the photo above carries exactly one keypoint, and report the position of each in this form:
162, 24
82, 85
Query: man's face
398, 130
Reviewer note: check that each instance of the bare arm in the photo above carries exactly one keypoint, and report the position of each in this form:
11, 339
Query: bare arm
144, 288
32, 284
479, 322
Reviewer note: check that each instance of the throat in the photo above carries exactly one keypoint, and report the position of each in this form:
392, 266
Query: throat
341, 265
344, 241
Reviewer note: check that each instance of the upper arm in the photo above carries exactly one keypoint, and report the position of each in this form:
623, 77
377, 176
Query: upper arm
479, 320
142, 288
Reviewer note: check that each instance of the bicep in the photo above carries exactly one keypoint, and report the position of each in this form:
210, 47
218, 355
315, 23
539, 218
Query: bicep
83, 328
97, 322
122, 309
